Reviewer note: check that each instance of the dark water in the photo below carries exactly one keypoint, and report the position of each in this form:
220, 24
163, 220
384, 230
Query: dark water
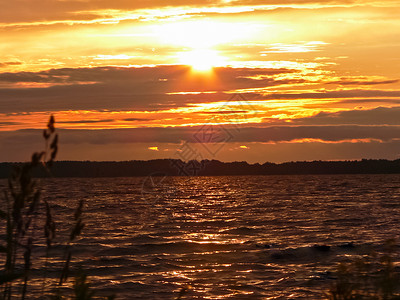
236, 237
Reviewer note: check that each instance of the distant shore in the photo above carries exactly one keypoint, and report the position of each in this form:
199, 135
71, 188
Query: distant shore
173, 167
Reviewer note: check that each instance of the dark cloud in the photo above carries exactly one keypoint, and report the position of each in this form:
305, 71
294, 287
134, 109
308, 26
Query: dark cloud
154, 88
265, 144
137, 119
362, 82
297, 2
376, 116
219, 112
119, 88
356, 93
330, 133
5, 123
325, 133
86, 121
40, 77
10, 63
162, 75
381, 101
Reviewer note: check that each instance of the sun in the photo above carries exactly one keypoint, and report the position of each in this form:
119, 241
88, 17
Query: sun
201, 59
196, 42
197, 34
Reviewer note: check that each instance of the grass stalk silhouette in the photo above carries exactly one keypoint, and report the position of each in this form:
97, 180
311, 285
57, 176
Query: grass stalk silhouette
22, 214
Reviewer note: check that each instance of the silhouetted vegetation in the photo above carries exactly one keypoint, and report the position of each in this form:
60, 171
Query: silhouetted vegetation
28, 224
372, 277
209, 168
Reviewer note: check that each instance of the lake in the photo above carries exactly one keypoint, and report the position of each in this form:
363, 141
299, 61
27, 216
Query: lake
228, 237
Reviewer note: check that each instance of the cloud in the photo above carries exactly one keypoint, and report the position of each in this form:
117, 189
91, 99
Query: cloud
39, 77
223, 112
137, 119
294, 48
159, 75
323, 94
86, 121
117, 88
10, 63
51, 10
35, 13
375, 116
6, 123
160, 88
362, 82
273, 134
277, 143
325, 133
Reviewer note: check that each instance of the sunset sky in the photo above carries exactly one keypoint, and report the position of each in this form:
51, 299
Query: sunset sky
239, 80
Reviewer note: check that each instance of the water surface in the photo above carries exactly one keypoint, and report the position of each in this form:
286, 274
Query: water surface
229, 237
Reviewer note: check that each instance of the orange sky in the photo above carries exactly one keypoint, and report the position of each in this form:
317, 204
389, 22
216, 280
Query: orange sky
263, 81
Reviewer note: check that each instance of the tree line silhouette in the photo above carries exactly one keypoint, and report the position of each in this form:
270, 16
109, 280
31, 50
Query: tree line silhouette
170, 167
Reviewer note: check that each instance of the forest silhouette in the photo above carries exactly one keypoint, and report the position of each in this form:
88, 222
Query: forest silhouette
170, 167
